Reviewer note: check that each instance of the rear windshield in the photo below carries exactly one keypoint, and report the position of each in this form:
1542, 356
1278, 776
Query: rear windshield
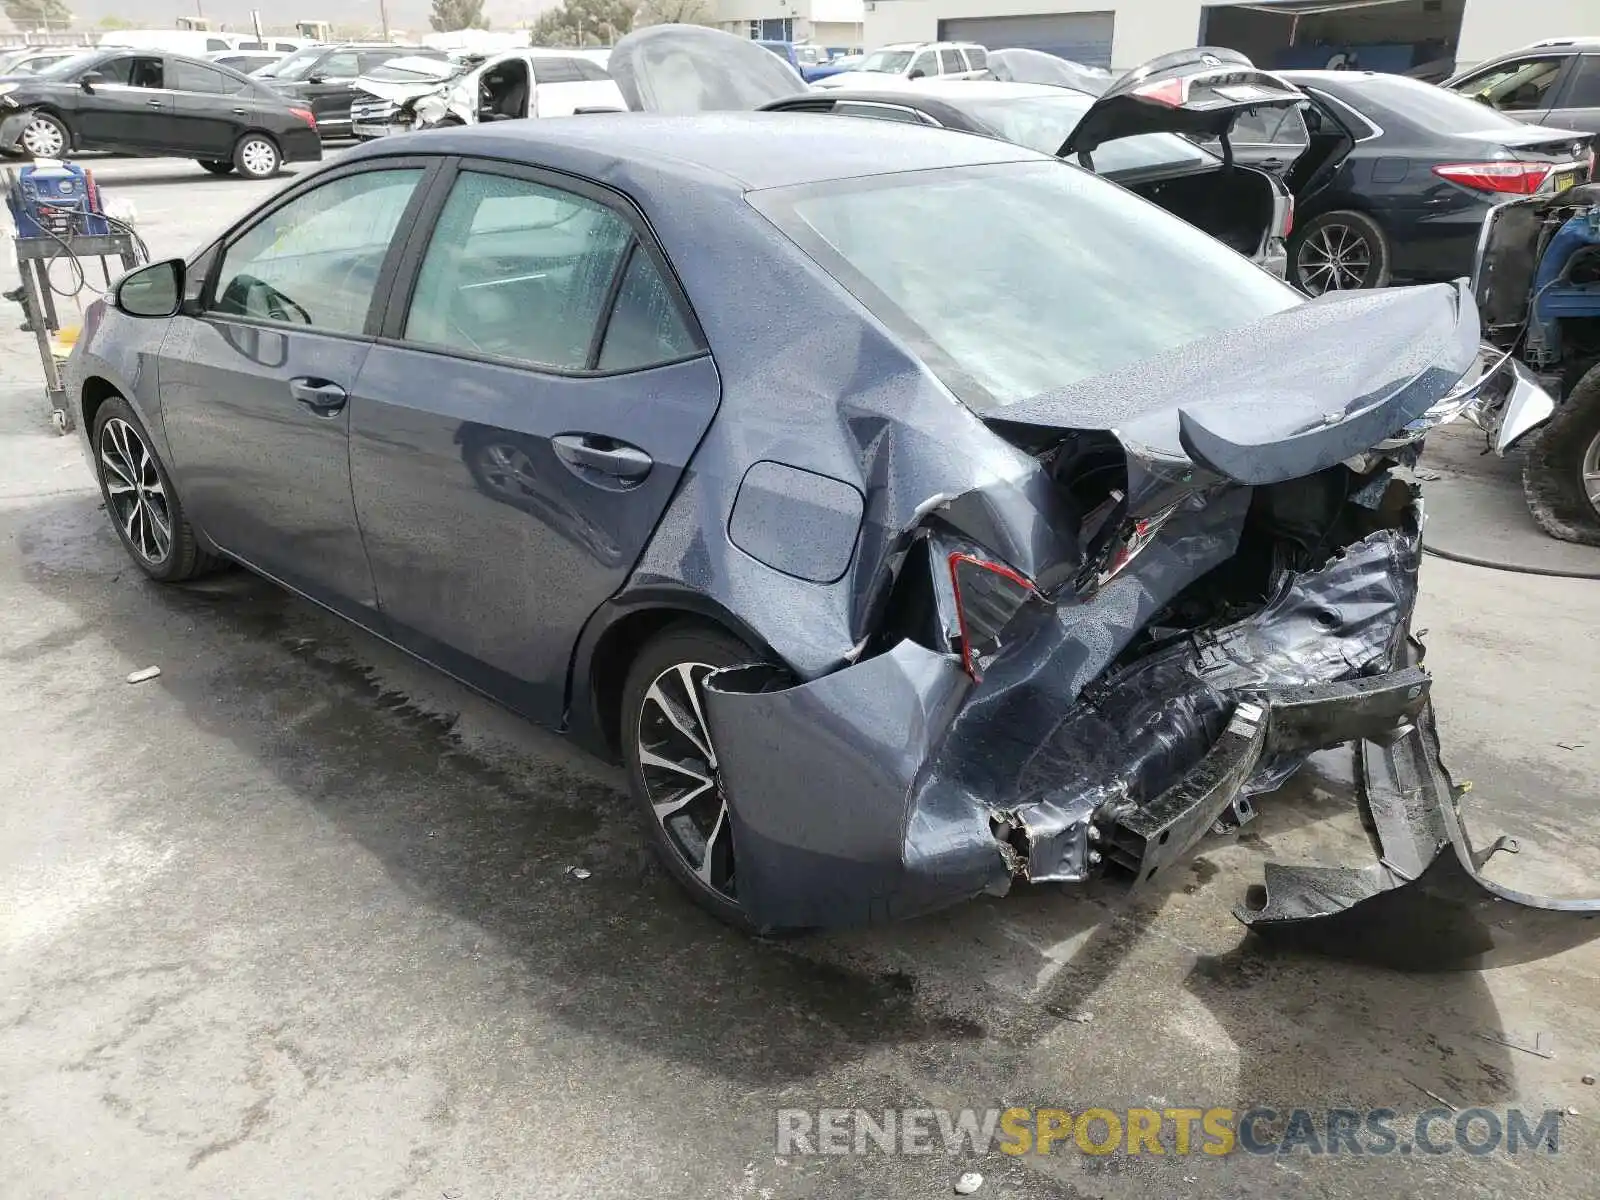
1423, 105
1015, 279
1043, 122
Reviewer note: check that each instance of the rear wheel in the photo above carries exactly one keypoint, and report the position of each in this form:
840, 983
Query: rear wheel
215, 166
1561, 474
45, 137
1339, 252
140, 499
672, 765
256, 156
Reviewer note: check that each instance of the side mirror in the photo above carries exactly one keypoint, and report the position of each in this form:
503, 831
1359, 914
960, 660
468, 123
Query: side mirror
917, 73
89, 78
152, 291
318, 78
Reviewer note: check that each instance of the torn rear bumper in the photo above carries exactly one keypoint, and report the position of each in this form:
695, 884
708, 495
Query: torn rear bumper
1424, 906
898, 785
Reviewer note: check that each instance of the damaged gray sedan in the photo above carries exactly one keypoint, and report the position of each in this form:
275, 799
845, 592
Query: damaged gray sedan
914, 515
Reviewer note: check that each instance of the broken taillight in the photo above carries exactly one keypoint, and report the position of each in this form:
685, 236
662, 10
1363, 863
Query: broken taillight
987, 595
1171, 92
1508, 178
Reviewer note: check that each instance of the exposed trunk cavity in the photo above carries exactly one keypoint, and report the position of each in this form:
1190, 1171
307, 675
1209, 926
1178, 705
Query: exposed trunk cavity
1233, 206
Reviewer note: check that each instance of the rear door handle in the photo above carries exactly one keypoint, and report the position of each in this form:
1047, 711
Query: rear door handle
241, 112
590, 454
321, 396
155, 103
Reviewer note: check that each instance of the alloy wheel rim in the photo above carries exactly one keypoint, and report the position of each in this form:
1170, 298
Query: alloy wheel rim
1334, 258
1591, 473
43, 139
259, 157
679, 766
134, 491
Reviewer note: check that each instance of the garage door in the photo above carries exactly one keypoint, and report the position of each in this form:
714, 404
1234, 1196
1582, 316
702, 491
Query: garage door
1082, 37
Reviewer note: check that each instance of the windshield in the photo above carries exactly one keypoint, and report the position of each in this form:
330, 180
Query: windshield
1043, 123
295, 66
1427, 107
69, 66
1015, 279
889, 62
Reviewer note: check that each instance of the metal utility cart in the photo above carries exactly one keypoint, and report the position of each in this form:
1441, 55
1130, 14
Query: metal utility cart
35, 255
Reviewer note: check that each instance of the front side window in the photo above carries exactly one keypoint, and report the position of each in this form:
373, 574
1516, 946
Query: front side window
315, 261
886, 62
517, 270
341, 65
1059, 281
296, 66
134, 70
926, 63
1519, 86
1043, 123
217, 44
950, 62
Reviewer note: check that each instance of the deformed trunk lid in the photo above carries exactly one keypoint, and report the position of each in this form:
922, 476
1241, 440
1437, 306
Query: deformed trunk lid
1196, 92
1282, 397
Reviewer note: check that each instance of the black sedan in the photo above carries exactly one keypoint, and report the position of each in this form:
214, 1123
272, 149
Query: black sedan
152, 103
914, 515
323, 78
1396, 176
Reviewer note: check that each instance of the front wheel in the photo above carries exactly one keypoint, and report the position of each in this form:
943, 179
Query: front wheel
1338, 252
45, 137
256, 156
216, 166
1561, 473
140, 499
672, 764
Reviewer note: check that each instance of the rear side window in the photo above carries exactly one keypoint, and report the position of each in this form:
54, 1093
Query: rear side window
646, 326
315, 261
978, 57
592, 71
555, 70
217, 44
517, 270
1585, 89
192, 77
1042, 299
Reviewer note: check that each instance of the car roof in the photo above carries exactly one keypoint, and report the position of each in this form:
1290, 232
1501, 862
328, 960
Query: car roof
946, 88
729, 150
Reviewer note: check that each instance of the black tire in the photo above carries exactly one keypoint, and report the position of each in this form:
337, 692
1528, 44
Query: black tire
1338, 249
256, 156
1562, 450
673, 648
50, 125
182, 557
216, 166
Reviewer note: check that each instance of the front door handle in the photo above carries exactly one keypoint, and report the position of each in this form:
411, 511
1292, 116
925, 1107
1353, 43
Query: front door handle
321, 396
590, 454
155, 103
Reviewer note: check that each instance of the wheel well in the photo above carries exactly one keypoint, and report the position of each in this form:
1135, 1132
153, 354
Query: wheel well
96, 392
614, 656
57, 116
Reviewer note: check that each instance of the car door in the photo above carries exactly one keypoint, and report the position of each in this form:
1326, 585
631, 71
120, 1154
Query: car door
520, 428
256, 374
330, 87
1577, 106
130, 106
208, 113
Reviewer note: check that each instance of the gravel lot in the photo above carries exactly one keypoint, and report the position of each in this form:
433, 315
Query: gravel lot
294, 919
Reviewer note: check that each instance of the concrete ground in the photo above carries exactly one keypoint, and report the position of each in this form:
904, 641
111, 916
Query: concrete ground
295, 919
